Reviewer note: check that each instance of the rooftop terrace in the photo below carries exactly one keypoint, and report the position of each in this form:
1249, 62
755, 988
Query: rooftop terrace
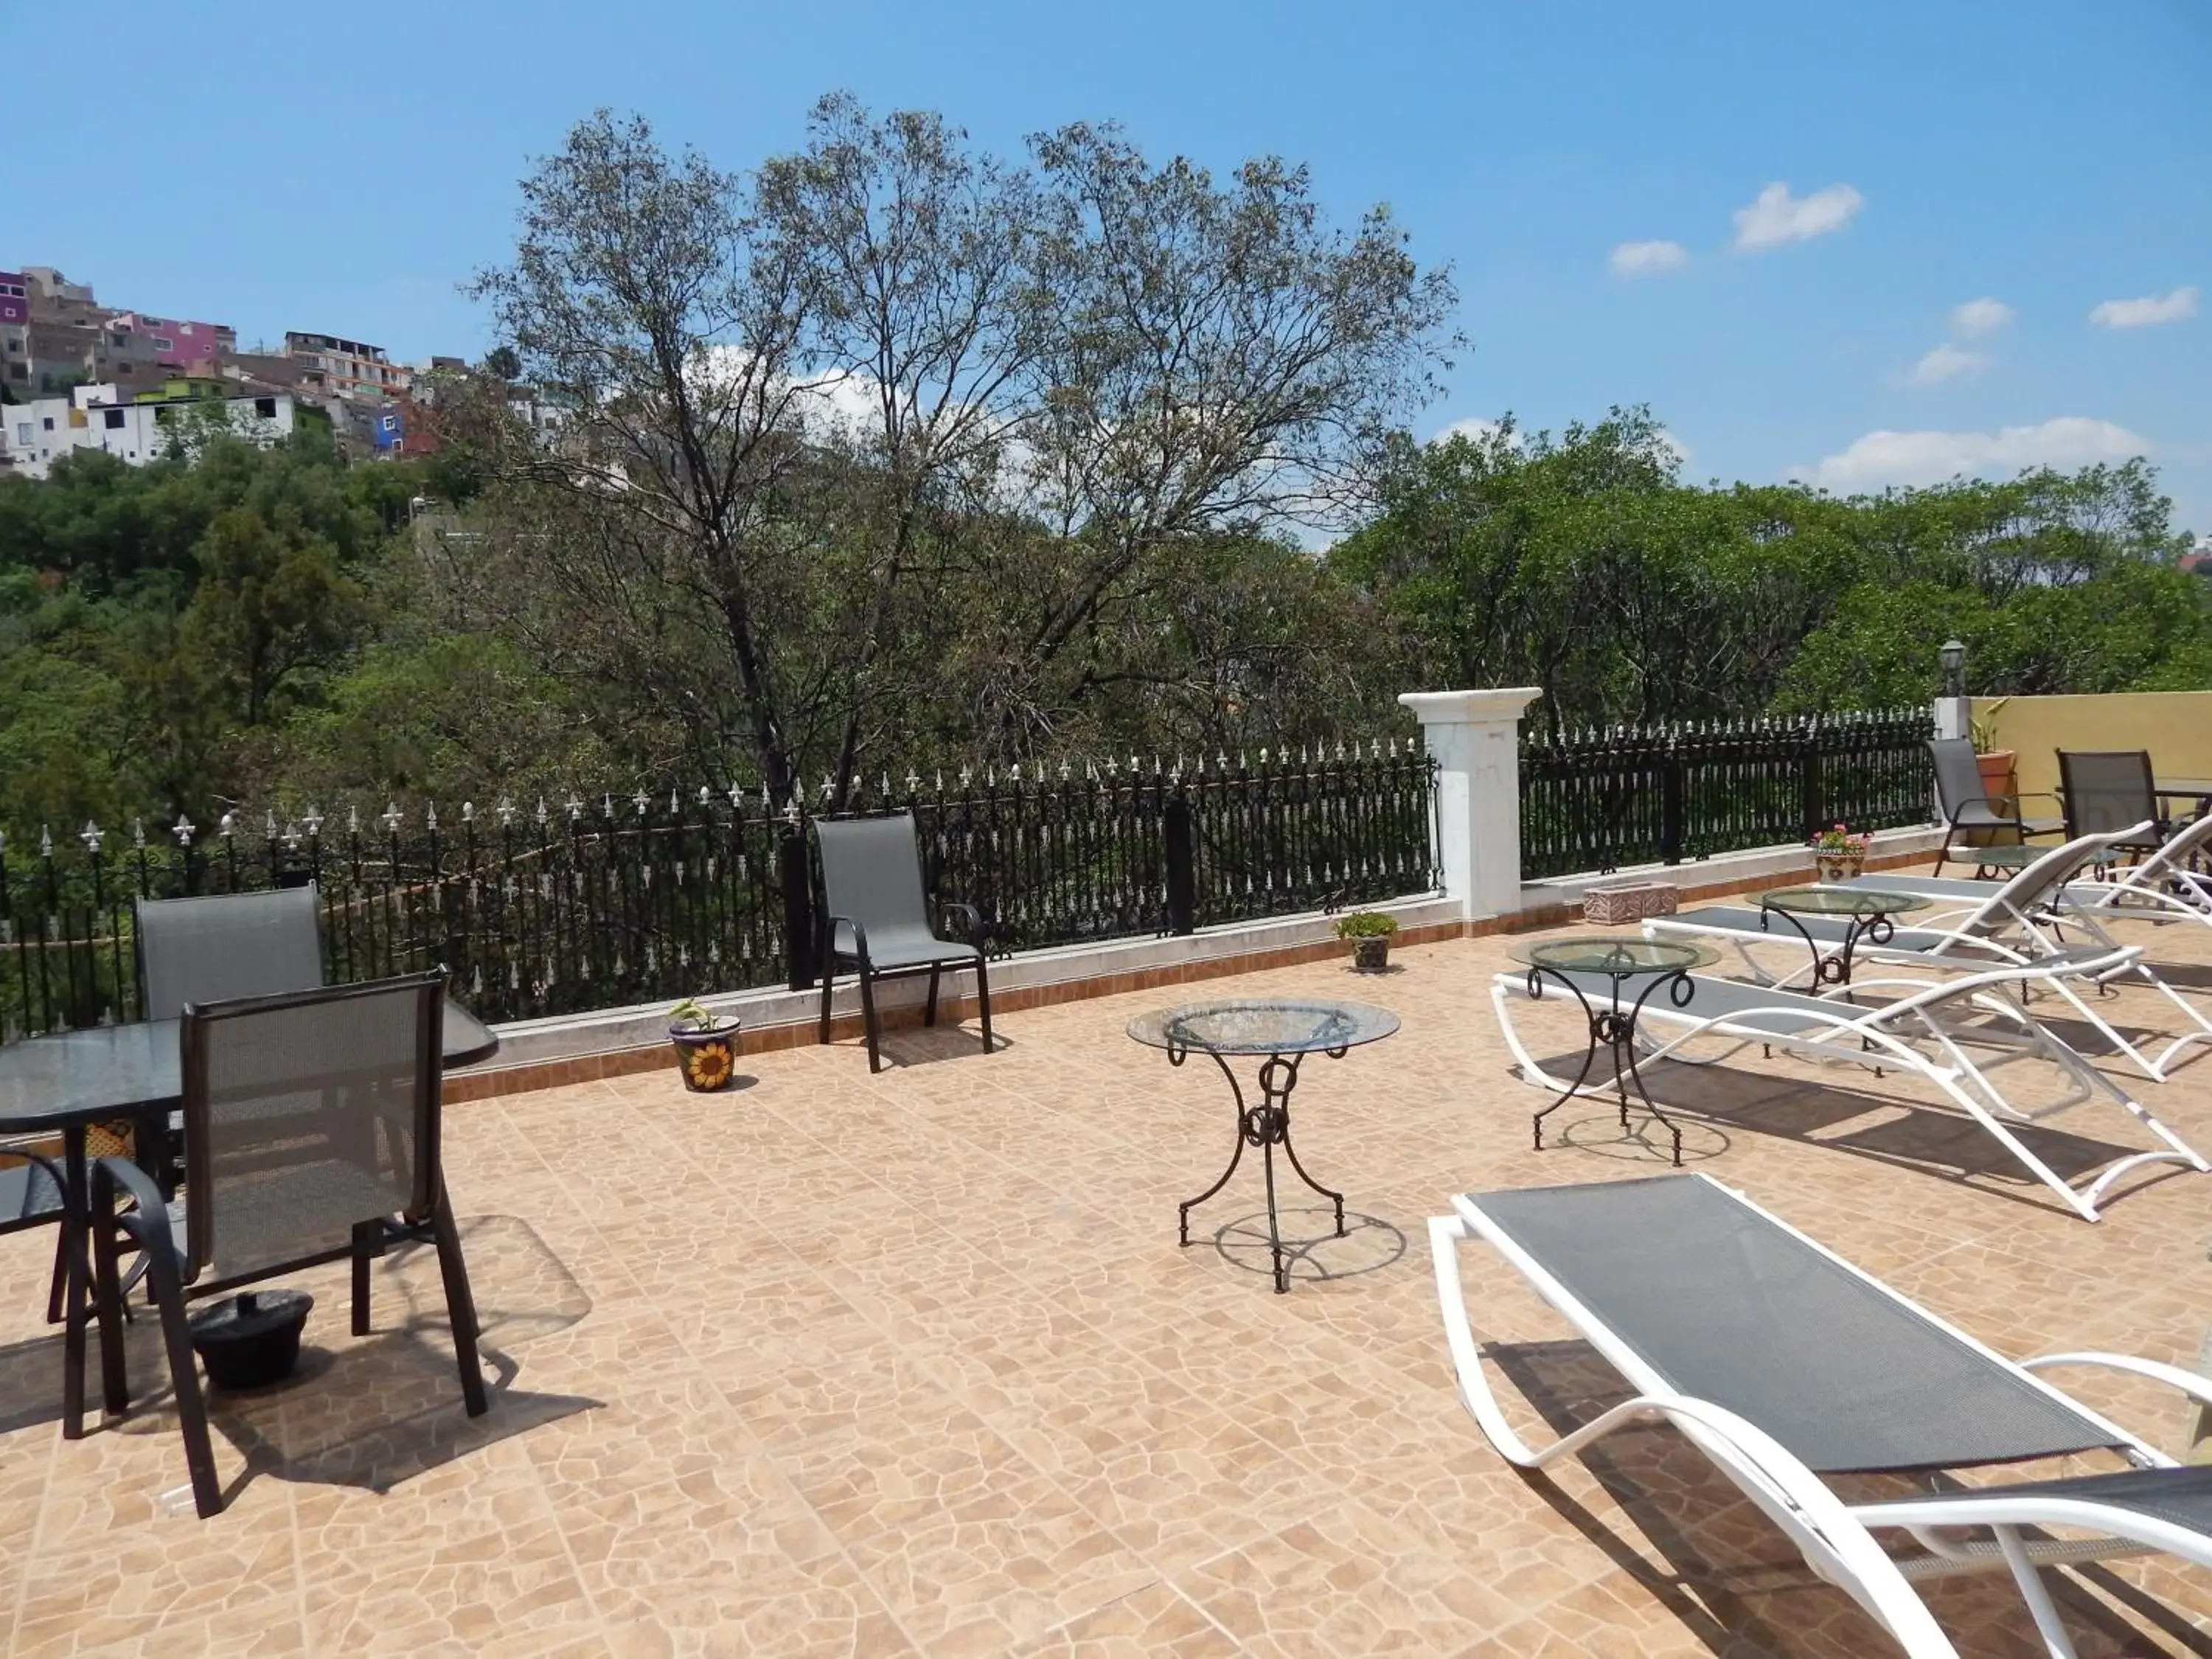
910, 1364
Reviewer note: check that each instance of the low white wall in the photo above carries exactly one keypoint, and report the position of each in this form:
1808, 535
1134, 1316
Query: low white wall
1759, 862
527, 1041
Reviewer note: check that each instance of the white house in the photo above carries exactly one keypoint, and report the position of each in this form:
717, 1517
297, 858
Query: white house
34, 435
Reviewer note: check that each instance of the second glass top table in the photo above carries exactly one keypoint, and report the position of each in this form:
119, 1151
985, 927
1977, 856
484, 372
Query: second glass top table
1595, 968
1834, 920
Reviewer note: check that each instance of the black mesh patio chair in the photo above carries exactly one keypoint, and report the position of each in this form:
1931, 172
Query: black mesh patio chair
2105, 790
876, 919
226, 946
1967, 808
311, 1135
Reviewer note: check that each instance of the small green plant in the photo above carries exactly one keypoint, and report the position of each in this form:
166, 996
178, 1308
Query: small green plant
1840, 842
691, 1014
1983, 732
1366, 924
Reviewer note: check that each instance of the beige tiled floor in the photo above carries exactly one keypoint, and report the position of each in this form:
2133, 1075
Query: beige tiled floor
837, 1364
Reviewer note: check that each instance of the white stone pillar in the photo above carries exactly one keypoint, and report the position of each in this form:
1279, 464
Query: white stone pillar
1953, 717
1475, 738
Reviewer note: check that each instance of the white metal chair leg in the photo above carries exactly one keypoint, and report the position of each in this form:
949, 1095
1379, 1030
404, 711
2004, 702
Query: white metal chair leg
2036, 1594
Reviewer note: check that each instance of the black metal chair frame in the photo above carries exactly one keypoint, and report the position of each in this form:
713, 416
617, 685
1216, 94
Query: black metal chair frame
172, 1274
832, 956
1954, 811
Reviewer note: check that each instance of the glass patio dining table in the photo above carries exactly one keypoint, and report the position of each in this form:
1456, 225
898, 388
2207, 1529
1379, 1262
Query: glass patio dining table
75, 1086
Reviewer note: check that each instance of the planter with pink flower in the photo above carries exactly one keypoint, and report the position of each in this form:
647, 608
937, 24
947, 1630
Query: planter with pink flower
1841, 853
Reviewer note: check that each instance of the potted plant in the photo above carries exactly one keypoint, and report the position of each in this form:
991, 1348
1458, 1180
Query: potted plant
705, 1045
1369, 932
1995, 764
1840, 853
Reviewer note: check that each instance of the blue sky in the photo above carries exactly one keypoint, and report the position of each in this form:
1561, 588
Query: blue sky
341, 169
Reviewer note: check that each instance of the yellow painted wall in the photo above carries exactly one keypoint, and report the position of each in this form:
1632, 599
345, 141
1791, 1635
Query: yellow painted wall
2175, 726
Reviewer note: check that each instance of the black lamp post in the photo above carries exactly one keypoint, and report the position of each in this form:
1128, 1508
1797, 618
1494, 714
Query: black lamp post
1953, 659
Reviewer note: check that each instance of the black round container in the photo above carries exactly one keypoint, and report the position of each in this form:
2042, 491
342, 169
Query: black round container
251, 1340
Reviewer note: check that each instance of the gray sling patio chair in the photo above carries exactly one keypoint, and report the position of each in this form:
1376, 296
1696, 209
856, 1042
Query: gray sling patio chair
876, 919
311, 1134
1784, 1364
2105, 790
1968, 808
224, 945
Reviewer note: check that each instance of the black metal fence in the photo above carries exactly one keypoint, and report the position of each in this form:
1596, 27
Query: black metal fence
611, 901
1601, 799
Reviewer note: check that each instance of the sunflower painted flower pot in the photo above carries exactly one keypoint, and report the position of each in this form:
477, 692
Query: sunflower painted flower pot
706, 1059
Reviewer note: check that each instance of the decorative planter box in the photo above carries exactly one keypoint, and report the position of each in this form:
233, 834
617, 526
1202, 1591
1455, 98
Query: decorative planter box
1607, 907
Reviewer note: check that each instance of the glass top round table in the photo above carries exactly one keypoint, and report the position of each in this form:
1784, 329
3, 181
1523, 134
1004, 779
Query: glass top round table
1614, 954
1264, 1025
1828, 900
2014, 857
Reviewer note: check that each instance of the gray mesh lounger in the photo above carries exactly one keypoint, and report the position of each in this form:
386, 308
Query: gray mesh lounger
1932, 1031
1997, 922
1782, 1362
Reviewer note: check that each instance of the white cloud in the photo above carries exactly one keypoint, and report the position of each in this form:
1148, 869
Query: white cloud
1980, 317
1941, 362
1924, 457
2145, 311
1647, 258
1475, 430
1674, 446
1777, 217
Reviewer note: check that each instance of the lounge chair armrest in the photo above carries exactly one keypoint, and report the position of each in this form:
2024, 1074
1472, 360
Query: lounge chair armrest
2197, 1388
148, 1223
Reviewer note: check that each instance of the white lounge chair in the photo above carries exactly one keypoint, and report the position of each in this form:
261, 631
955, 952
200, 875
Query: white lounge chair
1923, 1029
1784, 1364
2163, 890
2006, 921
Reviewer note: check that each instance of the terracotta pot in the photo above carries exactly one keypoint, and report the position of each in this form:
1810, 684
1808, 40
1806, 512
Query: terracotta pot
1996, 769
1370, 953
707, 1060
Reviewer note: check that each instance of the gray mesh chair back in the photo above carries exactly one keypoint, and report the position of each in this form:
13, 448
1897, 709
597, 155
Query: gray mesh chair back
234, 945
872, 872
306, 1114
1959, 785
2108, 790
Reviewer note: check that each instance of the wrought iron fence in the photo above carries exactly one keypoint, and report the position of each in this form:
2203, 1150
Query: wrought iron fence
1600, 799
602, 902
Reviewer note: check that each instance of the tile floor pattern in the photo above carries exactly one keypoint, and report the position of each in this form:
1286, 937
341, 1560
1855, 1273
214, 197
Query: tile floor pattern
910, 1364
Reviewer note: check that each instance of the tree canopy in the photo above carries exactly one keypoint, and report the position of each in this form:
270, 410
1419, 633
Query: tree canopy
892, 454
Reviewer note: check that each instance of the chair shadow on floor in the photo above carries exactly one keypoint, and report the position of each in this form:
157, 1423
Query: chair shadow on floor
1735, 1581
926, 1045
1709, 1102
368, 1412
